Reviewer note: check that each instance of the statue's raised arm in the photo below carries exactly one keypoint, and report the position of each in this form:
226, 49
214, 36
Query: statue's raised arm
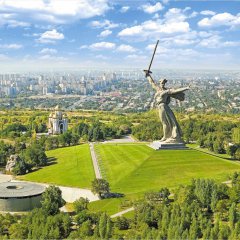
150, 80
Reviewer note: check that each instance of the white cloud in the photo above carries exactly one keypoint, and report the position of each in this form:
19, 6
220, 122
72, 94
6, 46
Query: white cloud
231, 44
105, 33
7, 19
215, 41
176, 15
83, 47
48, 51
3, 57
124, 9
50, 36
156, 28
148, 8
136, 58
102, 46
104, 24
174, 53
126, 48
221, 19
173, 23
50, 57
11, 46
207, 12
101, 57
160, 49
56, 11
211, 42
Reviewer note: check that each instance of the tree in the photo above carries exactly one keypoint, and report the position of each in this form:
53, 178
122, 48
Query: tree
231, 150
52, 200
236, 135
100, 187
105, 226
162, 195
232, 215
237, 153
49, 144
80, 204
18, 231
35, 155
218, 146
122, 223
85, 230
20, 167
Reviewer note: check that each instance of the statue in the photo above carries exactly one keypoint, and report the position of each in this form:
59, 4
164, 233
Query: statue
172, 133
171, 129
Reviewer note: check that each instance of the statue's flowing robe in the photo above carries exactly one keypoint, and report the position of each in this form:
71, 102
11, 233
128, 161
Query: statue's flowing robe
171, 129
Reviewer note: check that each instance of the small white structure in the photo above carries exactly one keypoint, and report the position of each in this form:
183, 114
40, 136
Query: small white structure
58, 122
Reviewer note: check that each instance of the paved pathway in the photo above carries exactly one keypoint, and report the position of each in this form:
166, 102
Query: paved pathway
122, 212
5, 178
95, 161
71, 194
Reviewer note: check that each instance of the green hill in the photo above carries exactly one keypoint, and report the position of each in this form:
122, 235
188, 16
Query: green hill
70, 166
136, 168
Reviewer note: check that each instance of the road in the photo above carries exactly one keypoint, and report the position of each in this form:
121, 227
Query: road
95, 161
122, 212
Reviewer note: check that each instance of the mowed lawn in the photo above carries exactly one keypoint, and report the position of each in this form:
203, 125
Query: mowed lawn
72, 167
134, 169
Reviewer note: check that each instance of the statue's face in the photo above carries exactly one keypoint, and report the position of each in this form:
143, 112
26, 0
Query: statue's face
162, 85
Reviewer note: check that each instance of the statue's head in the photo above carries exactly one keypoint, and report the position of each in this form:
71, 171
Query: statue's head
162, 82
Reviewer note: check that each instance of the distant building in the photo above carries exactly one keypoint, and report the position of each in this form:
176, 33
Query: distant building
11, 91
58, 122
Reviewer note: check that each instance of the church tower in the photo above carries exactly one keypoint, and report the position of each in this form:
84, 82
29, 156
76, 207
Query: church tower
58, 122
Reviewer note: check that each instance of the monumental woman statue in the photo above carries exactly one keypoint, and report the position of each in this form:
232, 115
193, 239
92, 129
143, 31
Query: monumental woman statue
171, 129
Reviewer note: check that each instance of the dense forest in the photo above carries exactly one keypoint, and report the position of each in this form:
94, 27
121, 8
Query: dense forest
202, 210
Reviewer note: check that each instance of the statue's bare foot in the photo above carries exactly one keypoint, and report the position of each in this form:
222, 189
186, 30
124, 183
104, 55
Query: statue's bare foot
174, 140
163, 139
170, 140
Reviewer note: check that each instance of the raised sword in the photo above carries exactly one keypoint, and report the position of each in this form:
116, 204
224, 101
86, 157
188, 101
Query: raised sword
150, 65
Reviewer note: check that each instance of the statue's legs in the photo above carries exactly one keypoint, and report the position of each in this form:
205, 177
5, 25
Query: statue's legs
165, 123
171, 129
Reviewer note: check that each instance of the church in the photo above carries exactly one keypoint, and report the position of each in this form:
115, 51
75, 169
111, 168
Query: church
58, 122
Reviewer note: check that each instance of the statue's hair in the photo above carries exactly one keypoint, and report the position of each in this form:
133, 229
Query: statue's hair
163, 80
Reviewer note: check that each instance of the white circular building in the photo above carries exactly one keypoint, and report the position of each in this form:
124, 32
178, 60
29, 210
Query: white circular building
20, 196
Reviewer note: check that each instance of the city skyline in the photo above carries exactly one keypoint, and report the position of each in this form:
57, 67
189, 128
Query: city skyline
72, 34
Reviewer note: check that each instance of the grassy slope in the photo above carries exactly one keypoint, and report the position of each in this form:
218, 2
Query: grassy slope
133, 169
73, 168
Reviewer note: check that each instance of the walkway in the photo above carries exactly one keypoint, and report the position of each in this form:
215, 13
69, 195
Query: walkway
5, 178
122, 212
70, 194
95, 161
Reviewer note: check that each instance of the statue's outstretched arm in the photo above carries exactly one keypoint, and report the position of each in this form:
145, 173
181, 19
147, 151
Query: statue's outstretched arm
151, 81
178, 90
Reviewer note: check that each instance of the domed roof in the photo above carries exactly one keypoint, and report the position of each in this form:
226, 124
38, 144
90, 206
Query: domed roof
20, 189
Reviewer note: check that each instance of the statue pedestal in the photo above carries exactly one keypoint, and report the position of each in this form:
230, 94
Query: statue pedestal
157, 145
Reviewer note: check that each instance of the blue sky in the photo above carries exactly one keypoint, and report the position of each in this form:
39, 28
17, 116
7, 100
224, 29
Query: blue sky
72, 34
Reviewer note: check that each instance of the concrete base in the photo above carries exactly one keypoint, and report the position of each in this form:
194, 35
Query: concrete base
157, 145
